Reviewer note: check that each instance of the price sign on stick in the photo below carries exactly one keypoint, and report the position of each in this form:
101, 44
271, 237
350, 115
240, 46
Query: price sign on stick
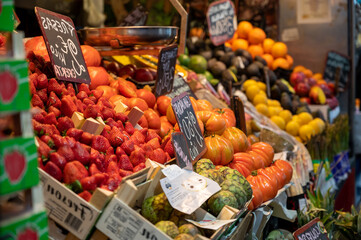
188, 125
165, 71
63, 46
337, 68
222, 21
312, 230
181, 151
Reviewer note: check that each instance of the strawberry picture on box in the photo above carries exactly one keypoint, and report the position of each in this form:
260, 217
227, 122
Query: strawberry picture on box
9, 86
15, 165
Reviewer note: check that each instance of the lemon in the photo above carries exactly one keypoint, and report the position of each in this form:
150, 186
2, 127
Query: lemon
321, 123
262, 108
299, 139
318, 125
273, 111
263, 93
305, 117
286, 115
261, 86
248, 83
306, 132
292, 128
279, 122
274, 103
259, 98
252, 91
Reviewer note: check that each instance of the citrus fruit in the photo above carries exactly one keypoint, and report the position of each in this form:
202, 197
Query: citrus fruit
269, 59
289, 60
299, 139
318, 125
286, 115
308, 73
243, 29
227, 44
262, 86
256, 36
279, 122
252, 91
198, 64
208, 75
299, 68
239, 44
306, 132
292, 128
274, 111
255, 50
305, 118
280, 63
279, 50
259, 98
248, 83
262, 108
317, 76
274, 103
184, 60
267, 45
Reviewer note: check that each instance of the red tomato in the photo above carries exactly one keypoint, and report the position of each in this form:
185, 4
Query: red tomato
237, 138
91, 56
228, 116
219, 150
257, 159
265, 150
162, 104
147, 96
257, 197
137, 102
98, 77
152, 118
243, 162
285, 167
267, 187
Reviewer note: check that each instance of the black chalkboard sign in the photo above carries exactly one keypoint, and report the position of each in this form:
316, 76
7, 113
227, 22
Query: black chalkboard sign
188, 125
334, 62
312, 230
180, 86
165, 71
63, 46
222, 21
181, 151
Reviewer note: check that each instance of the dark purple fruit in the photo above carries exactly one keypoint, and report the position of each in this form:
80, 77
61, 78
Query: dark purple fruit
126, 70
143, 75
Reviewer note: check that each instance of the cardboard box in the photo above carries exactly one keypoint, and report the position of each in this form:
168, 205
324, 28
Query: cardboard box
14, 82
18, 164
7, 15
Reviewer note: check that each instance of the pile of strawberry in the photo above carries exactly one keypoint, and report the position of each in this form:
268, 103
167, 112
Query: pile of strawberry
72, 155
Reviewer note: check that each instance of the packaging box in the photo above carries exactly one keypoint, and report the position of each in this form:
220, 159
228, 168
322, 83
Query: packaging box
6, 15
18, 164
14, 82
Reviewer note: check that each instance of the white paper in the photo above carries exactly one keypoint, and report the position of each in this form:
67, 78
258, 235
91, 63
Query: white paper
313, 11
172, 171
211, 224
290, 34
188, 191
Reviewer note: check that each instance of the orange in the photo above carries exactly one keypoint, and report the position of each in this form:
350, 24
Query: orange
243, 29
227, 44
308, 73
299, 68
267, 45
289, 60
256, 36
280, 62
317, 76
239, 44
269, 59
279, 49
255, 50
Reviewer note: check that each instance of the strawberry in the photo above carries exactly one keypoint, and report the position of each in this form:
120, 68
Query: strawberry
84, 87
158, 155
53, 100
70, 89
86, 138
40, 163
64, 123
32, 88
113, 183
50, 119
164, 142
100, 143
43, 149
90, 183
128, 127
100, 106
147, 148
110, 151
112, 123
82, 95
75, 133
54, 86
116, 137
168, 157
93, 99
66, 152
86, 195
124, 163
88, 102
38, 71
31, 66
106, 102
38, 117
106, 132
154, 143
64, 91
124, 173
50, 129
139, 167
81, 154
42, 81
128, 146
144, 131
93, 169
58, 160
70, 141
58, 141
74, 171
126, 134
80, 105
54, 110
33, 78
137, 156
53, 170
137, 137
121, 117
97, 93
121, 126
119, 151
48, 140
36, 101
91, 111
68, 107
169, 149
108, 113
43, 95
143, 122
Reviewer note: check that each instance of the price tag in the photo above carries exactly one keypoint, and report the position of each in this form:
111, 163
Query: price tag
312, 230
63, 46
337, 62
165, 72
180, 86
181, 151
188, 124
222, 21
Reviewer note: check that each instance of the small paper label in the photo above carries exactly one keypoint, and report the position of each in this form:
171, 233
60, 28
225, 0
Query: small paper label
211, 224
188, 191
290, 34
302, 205
172, 171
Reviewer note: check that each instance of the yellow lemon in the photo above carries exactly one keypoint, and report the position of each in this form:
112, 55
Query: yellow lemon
292, 128
274, 111
318, 125
259, 98
274, 103
306, 132
299, 139
263, 93
261, 86
305, 117
279, 122
248, 83
262, 108
286, 115
252, 91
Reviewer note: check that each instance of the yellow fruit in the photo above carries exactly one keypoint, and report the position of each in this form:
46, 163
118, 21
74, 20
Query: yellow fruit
259, 98
274, 111
262, 108
248, 83
318, 125
306, 132
305, 117
274, 103
299, 68
239, 44
278, 121
252, 91
279, 50
267, 45
317, 76
299, 139
286, 115
280, 63
262, 86
292, 128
